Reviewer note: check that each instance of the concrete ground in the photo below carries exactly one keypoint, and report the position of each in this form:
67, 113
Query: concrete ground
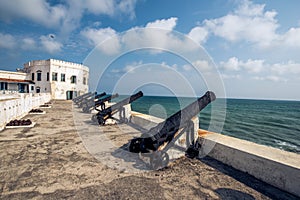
51, 161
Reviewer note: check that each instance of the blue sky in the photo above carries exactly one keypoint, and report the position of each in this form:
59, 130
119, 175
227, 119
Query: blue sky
250, 48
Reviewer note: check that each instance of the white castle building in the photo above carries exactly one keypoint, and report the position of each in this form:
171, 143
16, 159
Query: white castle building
63, 80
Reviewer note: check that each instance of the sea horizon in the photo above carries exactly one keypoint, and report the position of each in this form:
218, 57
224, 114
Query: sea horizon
268, 122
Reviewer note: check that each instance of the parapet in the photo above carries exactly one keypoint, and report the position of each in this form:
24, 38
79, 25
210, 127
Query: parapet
274, 166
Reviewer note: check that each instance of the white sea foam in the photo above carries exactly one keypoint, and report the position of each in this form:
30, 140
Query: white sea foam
286, 144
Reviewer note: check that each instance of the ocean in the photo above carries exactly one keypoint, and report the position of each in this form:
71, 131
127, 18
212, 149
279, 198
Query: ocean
267, 122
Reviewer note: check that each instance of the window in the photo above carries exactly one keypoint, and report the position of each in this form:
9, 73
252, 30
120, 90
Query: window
48, 76
54, 76
32, 88
32, 76
39, 75
3, 86
63, 77
84, 80
73, 79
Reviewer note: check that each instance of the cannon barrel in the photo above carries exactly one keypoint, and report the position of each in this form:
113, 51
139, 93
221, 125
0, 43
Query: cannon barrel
78, 102
92, 98
89, 98
98, 96
108, 112
165, 131
99, 102
89, 103
108, 98
81, 96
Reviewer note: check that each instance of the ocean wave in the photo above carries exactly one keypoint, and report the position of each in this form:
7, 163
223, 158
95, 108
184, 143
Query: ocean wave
284, 145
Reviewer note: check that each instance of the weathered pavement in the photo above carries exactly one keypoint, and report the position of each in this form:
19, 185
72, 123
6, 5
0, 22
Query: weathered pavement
49, 161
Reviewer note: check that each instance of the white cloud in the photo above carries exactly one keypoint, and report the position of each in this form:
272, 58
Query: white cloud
110, 7
248, 23
227, 76
157, 36
266, 71
158, 39
247, 8
234, 64
202, 65
187, 67
253, 66
291, 38
127, 6
45, 43
290, 67
129, 68
28, 44
65, 16
50, 45
100, 7
36, 10
97, 36
7, 41
167, 24
269, 78
199, 34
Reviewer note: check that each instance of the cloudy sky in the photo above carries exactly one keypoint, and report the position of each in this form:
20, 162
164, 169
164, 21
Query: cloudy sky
249, 48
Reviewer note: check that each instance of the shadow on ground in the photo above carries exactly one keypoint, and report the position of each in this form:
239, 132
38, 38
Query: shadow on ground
247, 179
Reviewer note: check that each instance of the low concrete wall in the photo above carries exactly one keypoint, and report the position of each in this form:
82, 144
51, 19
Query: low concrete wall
17, 106
274, 166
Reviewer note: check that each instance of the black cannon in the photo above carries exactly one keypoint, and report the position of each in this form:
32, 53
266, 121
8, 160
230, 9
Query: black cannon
89, 95
91, 100
158, 137
107, 113
76, 99
98, 103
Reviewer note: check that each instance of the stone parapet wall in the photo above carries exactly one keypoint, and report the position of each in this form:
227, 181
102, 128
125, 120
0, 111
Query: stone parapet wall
17, 106
274, 166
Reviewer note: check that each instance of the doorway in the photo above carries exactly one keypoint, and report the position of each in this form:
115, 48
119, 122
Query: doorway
38, 89
71, 94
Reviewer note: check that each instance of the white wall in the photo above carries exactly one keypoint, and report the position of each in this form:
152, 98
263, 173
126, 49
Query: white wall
12, 75
58, 88
44, 67
17, 106
274, 166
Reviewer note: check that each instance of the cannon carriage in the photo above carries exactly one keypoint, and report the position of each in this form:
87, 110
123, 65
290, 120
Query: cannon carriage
108, 113
158, 140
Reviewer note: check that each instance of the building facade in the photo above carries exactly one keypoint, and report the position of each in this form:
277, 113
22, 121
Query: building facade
64, 80
15, 82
